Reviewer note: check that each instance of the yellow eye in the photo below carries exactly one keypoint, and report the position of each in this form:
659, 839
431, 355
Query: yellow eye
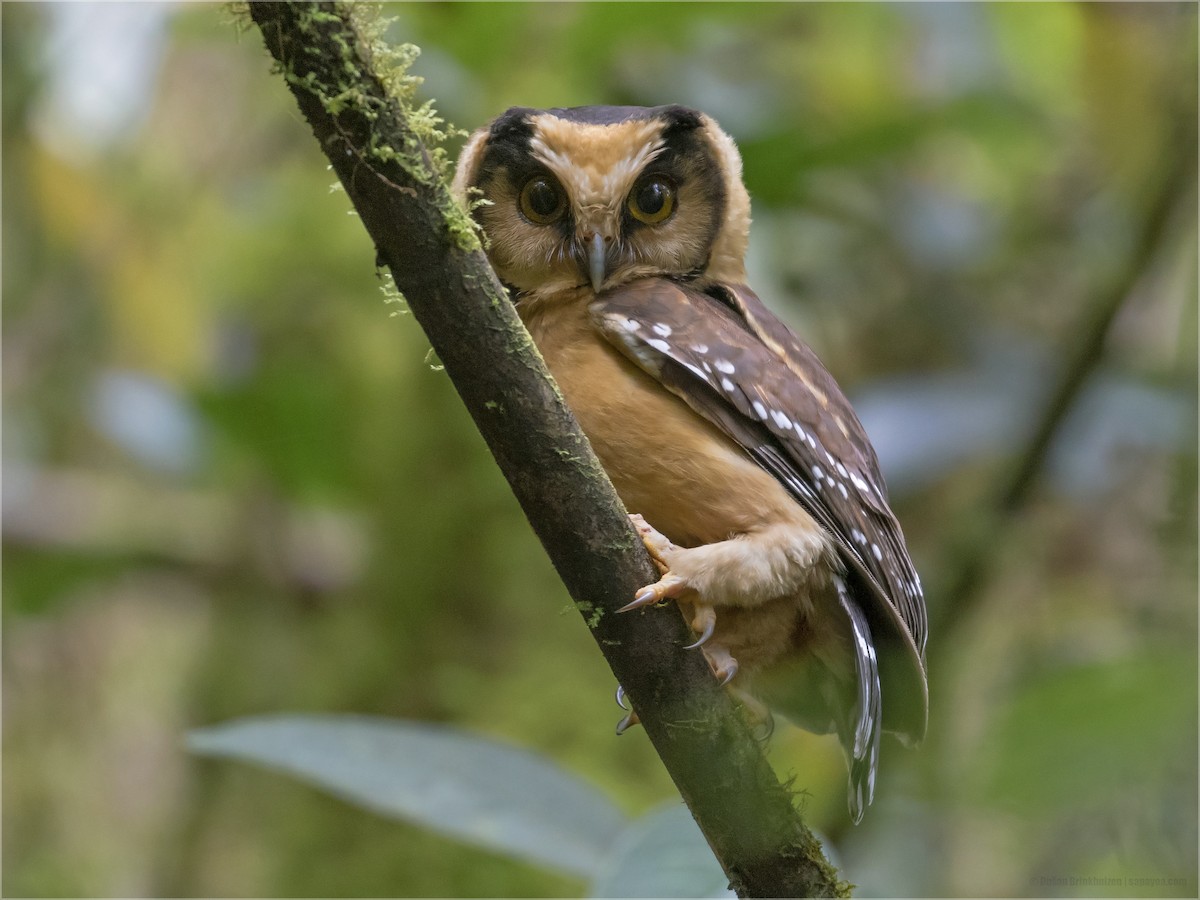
652, 200
542, 200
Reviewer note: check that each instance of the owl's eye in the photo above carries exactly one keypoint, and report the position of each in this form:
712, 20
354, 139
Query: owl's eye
652, 200
542, 200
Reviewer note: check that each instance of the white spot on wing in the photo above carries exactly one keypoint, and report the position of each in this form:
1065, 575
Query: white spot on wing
781, 420
878, 553
663, 329
726, 384
700, 348
724, 365
660, 346
759, 409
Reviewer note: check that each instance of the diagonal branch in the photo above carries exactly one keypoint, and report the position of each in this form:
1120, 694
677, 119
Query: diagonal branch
971, 552
427, 242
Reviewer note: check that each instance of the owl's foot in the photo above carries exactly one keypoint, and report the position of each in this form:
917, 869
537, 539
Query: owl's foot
704, 615
658, 546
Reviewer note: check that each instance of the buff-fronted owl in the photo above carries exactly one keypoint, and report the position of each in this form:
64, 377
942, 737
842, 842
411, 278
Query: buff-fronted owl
620, 234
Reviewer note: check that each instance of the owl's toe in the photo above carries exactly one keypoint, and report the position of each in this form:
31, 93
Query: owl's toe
666, 587
657, 544
758, 716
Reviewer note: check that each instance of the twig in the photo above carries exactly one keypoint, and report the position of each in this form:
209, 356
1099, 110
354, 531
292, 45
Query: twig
974, 545
749, 819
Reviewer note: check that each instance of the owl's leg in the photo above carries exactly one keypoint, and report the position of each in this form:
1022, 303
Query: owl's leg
777, 560
747, 570
703, 615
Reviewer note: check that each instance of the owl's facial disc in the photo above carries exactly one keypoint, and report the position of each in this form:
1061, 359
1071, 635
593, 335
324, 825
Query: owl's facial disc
597, 197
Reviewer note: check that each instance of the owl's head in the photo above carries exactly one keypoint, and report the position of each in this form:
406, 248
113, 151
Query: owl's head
601, 195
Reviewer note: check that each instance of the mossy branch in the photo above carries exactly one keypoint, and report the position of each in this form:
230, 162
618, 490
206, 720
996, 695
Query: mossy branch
356, 96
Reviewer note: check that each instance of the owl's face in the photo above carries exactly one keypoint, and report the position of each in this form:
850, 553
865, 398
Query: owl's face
598, 196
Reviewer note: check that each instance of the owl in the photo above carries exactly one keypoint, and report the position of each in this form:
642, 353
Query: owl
620, 234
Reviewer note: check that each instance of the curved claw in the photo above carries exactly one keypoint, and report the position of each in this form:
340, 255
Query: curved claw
628, 722
668, 586
645, 597
764, 729
758, 716
730, 670
708, 618
621, 698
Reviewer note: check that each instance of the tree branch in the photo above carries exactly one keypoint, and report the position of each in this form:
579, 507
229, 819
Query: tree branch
426, 241
973, 549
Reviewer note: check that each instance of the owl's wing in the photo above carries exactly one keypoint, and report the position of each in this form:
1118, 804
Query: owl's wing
734, 363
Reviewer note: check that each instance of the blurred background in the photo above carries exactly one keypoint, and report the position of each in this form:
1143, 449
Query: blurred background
235, 483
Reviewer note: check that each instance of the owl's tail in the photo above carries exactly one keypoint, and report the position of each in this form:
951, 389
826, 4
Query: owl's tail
860, 726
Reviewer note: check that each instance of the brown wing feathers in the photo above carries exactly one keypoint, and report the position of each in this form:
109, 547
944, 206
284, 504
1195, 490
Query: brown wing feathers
736, 365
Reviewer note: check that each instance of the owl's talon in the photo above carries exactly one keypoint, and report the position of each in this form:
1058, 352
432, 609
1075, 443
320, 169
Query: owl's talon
699, 642
628, 722
759, 717
665, 587
705, 622
642, 599
764, 729
730, 672
722, 663
621, 698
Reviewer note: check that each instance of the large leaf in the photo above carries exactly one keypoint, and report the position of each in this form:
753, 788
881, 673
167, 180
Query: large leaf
662, 854
476, 790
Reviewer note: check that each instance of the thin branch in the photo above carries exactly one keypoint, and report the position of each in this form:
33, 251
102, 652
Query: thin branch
749, 819
974, 544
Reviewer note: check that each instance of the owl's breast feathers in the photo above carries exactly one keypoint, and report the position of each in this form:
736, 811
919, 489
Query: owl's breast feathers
750, 432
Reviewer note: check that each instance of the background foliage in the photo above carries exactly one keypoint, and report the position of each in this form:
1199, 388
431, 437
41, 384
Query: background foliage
233, 485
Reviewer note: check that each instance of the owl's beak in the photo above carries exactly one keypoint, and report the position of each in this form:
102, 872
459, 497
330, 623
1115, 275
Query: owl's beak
597, 257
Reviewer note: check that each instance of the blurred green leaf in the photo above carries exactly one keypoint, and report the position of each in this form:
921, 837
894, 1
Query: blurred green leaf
992, 116
485, 793
662, 854
1074, 737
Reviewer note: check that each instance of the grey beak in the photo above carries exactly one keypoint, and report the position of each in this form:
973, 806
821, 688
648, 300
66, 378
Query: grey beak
596, 260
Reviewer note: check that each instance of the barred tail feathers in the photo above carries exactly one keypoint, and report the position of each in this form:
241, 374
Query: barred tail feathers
861, 726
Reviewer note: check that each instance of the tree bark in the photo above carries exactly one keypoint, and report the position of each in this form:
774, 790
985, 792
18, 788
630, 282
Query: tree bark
423, 237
